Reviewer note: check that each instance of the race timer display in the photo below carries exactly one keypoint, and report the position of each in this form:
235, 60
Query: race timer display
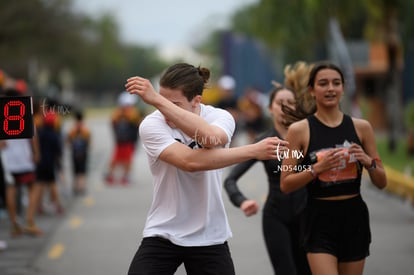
16, 117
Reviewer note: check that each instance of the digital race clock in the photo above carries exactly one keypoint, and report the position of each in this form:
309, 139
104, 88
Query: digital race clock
16, 117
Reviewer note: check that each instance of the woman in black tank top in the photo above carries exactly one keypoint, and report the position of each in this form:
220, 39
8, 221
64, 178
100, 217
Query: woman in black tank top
333, 148
282, 213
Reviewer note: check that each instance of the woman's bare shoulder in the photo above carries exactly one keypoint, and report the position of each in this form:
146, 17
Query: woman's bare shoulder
361, 124
299, 126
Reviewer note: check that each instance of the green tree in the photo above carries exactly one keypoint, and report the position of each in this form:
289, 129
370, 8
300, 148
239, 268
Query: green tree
36, 29
37, 35
299, 27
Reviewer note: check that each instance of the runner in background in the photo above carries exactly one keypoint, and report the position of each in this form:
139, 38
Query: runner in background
282, 216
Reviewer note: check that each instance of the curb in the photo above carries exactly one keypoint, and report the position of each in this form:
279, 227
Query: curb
399, 184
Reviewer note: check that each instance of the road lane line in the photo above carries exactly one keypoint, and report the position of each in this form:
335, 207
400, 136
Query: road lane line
99, 186
56, 251
89, 201
75, 222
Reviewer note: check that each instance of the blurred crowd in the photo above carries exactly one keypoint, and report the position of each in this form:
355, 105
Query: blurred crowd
34, 180
31, 168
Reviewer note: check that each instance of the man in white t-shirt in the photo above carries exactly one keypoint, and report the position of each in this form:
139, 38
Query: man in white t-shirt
186, 143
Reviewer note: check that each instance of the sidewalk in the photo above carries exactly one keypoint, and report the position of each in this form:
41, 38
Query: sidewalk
21, 252
400, 184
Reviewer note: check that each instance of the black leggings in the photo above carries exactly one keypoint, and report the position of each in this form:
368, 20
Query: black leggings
283, 243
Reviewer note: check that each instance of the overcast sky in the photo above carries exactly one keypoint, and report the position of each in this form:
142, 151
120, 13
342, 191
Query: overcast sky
165, 23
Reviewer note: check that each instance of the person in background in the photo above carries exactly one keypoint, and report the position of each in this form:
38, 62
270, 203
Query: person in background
252, 115
3, 243
79, 139
186, 143
228, 101
42, 108
282, 217
336, 148
125, 123
19, 158
50, 154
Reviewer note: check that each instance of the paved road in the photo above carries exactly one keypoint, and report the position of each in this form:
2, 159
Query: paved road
100, 232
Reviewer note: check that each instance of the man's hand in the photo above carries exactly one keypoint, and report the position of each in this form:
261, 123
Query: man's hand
143, 88
270, 148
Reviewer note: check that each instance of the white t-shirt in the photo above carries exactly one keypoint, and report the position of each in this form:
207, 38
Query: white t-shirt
18, 156
187, 207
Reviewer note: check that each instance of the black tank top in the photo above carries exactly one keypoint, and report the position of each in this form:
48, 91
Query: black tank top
345, 180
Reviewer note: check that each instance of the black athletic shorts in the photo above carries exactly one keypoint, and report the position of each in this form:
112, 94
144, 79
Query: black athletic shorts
45, 174
159, 256
79, 165
340, 228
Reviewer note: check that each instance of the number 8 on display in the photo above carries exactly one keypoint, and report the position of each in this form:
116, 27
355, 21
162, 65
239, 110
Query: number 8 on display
16, 117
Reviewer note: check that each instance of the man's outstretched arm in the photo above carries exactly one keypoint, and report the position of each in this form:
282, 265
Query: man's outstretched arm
187, 159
